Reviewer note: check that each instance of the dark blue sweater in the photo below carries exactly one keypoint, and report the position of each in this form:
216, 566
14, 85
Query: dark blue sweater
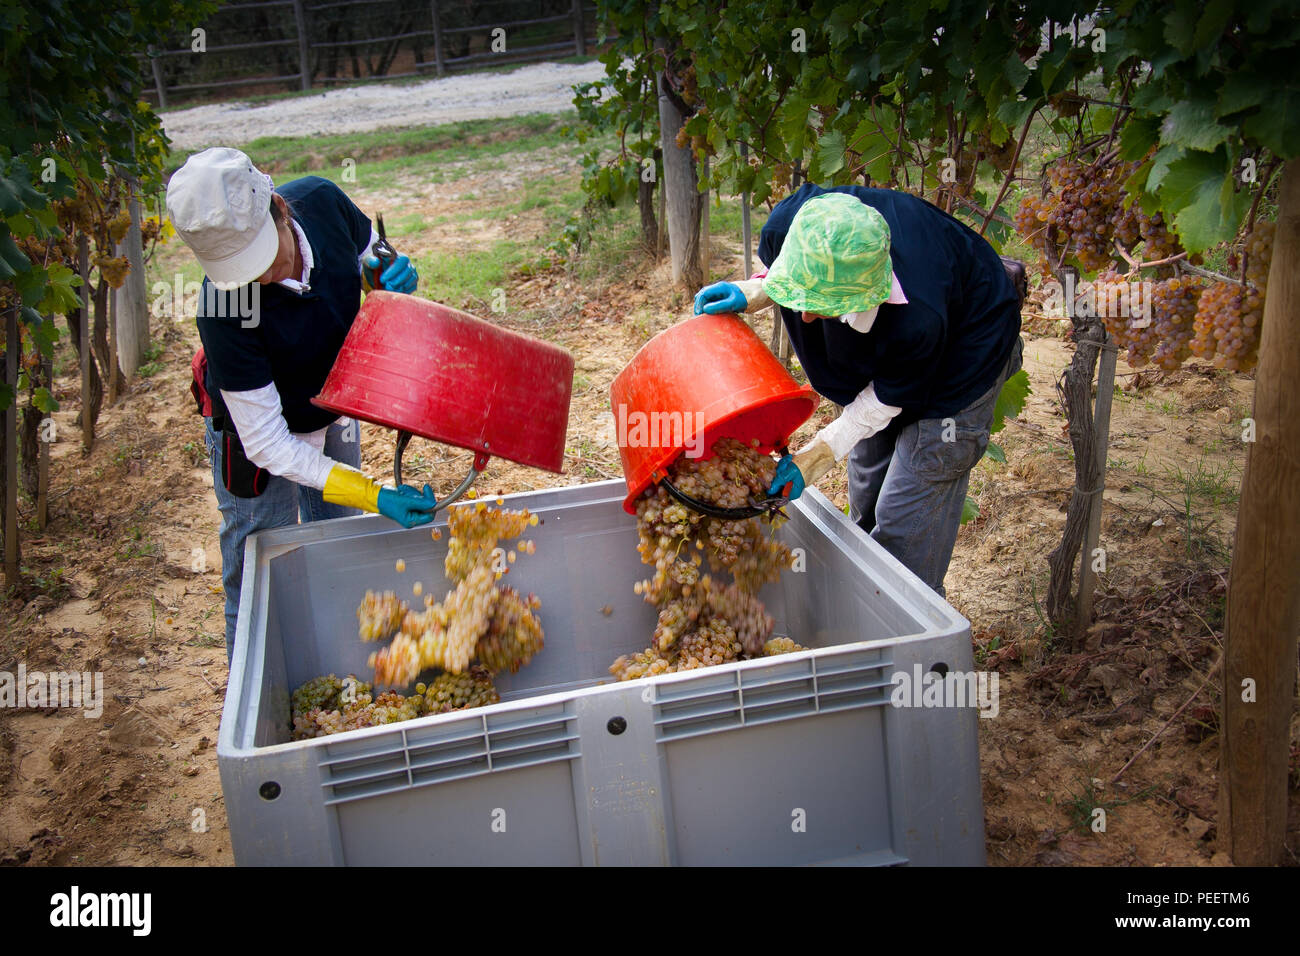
933, 356
293, 339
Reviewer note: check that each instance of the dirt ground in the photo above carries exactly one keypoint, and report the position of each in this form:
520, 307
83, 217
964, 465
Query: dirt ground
126, 580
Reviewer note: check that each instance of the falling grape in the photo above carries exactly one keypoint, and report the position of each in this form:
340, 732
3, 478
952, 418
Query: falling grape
702, 619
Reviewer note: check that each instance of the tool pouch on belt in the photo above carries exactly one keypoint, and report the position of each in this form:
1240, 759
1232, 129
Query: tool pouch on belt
241, 477
1018, 275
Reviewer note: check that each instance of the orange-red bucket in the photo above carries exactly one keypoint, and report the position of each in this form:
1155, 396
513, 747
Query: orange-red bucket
707, 378
433, 371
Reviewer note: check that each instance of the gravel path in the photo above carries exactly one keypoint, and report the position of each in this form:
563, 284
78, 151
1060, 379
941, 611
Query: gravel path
535, 88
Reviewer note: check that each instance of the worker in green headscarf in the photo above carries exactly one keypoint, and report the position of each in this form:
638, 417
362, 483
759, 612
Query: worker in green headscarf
907, 318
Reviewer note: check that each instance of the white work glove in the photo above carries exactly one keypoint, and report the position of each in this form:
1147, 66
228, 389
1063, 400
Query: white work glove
861, 418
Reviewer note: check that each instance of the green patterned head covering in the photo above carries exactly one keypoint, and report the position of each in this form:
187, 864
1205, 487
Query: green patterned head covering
835, 259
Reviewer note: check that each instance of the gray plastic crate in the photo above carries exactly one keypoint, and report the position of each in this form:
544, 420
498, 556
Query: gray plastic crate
796, 759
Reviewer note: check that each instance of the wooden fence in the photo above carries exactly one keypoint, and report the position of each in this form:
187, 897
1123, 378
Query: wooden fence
298, 44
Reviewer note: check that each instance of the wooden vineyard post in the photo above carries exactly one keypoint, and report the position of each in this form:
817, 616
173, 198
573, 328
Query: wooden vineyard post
159, 85
46, 436
1101, 420
132, 322
83, 268
304, 58
113, 371
662, 236
439, 67
1263, 611
705, 252
746, 231
11, 451
579, 30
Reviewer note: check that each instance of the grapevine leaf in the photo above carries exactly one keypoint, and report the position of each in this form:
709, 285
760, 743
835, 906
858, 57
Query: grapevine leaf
1016, 72
994, 451
12, 259
1013, 112
1011, 400
59, 297
969, 510
1278, 126
828, 158
1242, 91
1180, 28
31, 285
1138, 136
16, 193
1151, 99
43, 331
1191, 124
1214, 18
6, 395
1165, 156
1193, 190
43, 400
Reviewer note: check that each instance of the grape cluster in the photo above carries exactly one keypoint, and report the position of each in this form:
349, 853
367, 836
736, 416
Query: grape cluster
1156, 326
702, 619
475, 530
380, 616
513, 634
329, 693
1087, 198
478, 619
703, 647
448, 692
326, 705
1082, 210
1173, 312
1132, 226
781, 645
1228, 316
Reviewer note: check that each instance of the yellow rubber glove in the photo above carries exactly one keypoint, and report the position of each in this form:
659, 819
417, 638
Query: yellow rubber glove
348, 487
404, 504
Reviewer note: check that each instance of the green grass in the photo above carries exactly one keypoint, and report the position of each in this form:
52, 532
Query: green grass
1197, 493
1217, 485
1081, 805
153, 363
387, 150
471, 279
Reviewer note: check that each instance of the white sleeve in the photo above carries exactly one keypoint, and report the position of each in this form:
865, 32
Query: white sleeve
361, 259
861, 418
268, 443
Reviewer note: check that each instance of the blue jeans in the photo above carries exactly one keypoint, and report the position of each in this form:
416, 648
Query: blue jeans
279, 505
907, 484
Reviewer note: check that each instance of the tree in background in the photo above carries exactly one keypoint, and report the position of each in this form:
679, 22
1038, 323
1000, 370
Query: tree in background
73, 128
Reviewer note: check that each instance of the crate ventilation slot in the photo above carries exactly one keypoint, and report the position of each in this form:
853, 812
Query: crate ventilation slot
783, 690
415, 756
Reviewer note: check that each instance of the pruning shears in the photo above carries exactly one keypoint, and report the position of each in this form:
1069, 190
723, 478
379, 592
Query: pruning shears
383, 251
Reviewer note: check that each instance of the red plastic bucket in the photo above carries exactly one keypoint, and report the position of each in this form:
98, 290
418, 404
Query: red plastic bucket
434, 371
707, 378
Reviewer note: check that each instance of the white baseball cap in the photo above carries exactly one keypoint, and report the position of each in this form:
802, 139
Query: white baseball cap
220, 204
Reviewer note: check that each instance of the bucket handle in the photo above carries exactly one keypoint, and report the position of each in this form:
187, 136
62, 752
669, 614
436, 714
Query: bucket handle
480, 462
757, 506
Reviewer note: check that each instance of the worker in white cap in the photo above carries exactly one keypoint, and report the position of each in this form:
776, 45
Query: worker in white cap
284, 275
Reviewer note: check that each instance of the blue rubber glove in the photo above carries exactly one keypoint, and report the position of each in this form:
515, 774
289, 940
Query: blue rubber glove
720, 297
398, 277
787, 473
407, 506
